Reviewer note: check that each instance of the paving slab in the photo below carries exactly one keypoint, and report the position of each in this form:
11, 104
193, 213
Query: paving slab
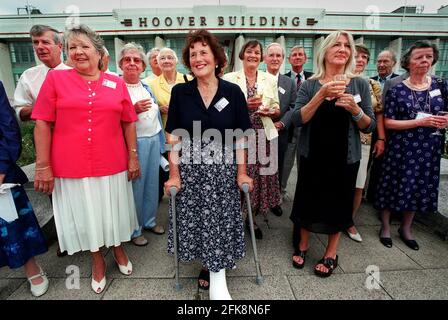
151, 261
433, 253
355, 257
275, 255
273, 288
150, 289
429, 284
8, 286
336, 287
58, 291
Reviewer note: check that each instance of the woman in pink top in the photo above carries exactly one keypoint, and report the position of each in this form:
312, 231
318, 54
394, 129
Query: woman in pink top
86, 154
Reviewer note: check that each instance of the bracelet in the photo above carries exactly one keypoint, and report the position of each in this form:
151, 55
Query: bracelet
358, 116
381, 139
39, 169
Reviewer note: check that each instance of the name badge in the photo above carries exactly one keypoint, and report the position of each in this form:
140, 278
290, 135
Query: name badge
109, 84
357, 98
281, 90
435, 93
422, 115
221, 104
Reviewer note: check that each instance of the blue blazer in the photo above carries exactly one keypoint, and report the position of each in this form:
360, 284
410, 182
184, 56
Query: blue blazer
10, 142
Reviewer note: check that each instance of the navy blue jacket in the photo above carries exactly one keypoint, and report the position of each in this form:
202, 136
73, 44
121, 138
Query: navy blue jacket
10, 142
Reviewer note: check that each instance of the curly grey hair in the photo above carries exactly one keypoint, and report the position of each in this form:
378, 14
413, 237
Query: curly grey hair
132, 46
95, 39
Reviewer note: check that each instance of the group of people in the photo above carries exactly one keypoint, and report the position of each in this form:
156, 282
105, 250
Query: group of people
100, 139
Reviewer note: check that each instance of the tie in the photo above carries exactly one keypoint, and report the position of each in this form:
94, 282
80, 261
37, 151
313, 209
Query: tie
299, 80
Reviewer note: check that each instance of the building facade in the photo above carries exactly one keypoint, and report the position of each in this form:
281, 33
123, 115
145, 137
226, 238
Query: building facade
233, 25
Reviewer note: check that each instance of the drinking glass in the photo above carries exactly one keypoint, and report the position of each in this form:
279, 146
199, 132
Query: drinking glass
340, 77
437, 132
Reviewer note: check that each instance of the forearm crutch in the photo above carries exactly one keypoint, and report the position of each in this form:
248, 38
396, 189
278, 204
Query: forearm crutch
259, 279
173, 192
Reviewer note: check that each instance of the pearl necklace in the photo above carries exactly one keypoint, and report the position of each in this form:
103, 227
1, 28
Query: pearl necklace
420, 86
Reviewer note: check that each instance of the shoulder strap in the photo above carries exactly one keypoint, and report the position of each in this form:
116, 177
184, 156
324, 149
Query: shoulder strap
443, 90
185, 78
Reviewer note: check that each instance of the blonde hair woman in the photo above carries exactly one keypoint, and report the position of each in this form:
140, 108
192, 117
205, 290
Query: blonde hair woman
332, 106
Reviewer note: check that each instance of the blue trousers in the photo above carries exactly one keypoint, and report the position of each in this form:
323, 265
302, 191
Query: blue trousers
146, 188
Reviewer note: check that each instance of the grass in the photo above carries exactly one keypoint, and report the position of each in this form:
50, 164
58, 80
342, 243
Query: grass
28, 154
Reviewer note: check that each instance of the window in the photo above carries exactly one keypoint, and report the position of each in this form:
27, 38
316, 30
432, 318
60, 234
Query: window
442, 64
110, 45
22, 57
22, 53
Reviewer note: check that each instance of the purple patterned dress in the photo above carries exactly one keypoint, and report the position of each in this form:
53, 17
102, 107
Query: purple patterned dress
266, 193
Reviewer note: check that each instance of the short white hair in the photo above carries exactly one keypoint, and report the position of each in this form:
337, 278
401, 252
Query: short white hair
274, 44
154, 50
167, 50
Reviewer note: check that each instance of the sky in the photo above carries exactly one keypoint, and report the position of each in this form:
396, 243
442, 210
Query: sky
52, 6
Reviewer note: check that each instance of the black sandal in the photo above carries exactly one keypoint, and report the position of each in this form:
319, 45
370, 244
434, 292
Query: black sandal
329, 263
204, 275
299, 253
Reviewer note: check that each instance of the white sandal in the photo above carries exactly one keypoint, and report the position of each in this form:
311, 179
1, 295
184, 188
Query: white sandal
39, 289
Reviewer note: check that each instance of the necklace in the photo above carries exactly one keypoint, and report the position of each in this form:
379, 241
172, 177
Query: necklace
419, 86
136, 91
92, 92
416, 102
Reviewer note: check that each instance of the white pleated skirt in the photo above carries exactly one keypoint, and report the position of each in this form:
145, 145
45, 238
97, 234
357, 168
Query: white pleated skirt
93, 212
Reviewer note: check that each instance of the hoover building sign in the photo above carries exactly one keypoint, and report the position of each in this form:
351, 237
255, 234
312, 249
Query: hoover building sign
213, 17
219, 21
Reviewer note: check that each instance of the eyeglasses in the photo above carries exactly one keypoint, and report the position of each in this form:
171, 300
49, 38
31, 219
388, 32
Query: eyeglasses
163, 58
129, 59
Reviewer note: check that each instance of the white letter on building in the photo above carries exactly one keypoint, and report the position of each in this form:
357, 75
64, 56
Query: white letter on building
373, 21
72, 21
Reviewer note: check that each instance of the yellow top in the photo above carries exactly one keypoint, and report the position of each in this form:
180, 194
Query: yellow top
162, 90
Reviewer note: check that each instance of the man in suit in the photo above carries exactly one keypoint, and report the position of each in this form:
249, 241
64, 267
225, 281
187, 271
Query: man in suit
385, 64
297, 58
274, 57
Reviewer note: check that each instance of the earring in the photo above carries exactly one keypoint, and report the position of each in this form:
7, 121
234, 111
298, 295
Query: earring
216, 67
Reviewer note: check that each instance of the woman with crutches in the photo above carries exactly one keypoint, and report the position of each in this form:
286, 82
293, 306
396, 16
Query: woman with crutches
208, 205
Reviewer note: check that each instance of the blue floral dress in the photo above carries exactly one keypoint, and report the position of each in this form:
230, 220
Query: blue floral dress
409, 179
22, 238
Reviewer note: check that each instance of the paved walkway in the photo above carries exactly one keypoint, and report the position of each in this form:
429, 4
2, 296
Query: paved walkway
403, 273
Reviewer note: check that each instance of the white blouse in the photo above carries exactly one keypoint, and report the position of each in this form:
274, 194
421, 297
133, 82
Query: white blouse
148, 123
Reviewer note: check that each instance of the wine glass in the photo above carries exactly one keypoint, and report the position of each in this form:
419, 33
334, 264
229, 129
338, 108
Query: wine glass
437, 132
